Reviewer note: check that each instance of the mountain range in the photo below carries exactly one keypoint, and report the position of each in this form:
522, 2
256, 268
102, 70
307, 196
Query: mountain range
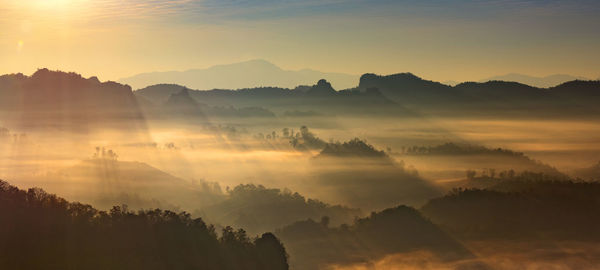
542, 82
67, 100
321, 96
253, 73
261, 73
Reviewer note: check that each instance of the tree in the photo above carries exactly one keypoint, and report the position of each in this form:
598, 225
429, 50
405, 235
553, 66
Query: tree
271, 252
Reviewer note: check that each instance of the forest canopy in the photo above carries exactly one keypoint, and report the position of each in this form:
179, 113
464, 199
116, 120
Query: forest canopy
43, 231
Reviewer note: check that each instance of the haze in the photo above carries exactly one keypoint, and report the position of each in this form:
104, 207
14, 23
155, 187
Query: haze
459, 41
318, 135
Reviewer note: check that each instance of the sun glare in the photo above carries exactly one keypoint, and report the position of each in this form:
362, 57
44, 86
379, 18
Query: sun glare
52, 3
52, 6
20, 44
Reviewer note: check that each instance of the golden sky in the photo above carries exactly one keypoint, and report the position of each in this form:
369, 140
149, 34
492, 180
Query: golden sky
439, 40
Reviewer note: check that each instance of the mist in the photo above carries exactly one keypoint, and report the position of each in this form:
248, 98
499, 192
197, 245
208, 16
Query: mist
333, 174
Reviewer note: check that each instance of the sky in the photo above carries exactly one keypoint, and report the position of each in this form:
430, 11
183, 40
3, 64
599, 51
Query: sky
440, 40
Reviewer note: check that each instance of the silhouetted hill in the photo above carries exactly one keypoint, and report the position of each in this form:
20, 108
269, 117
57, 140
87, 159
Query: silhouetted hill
541, 82
578, 90
105, 181
159, 93
253, 73
405, 80
492, 98
182, 105
529, 207
395, 230
42, 231
508, 180
355, 148
259, 209
354, 173
407, 88
66, 100
461, 155
499, 90
320, 97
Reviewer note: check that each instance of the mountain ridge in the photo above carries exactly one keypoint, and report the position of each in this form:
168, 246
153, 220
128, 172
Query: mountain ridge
56, 98
252, 73
537, 81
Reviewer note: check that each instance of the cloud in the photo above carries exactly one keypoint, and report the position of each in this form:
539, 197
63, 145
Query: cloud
216, 11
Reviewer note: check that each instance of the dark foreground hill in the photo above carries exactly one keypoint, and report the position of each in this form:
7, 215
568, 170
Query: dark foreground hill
394, 230
54, 99
531, 206
42, 231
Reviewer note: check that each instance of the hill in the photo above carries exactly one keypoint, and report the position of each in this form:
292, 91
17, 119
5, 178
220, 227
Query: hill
355, 173
353, 148
43, 231
320, 97
529, 206
105, 181
259, 209
453, 159
541, 82
181, 105
399, 94
391, 231
491, 98
55, 99
407, 89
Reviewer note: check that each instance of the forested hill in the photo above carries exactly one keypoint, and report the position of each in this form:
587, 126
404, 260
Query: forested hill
379, 94
320, 96
54, 98
574, 97
42, 231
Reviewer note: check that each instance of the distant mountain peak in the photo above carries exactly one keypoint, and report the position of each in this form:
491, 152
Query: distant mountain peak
256, 64
260, 62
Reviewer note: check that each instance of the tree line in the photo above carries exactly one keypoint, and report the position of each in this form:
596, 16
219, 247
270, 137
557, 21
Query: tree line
42, 231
